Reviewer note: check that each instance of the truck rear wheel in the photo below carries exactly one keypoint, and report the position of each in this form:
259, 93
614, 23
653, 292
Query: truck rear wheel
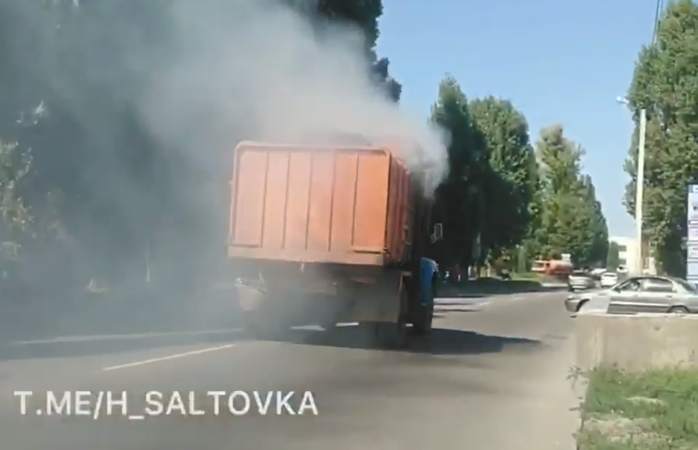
394, 334
425, 316
423, 326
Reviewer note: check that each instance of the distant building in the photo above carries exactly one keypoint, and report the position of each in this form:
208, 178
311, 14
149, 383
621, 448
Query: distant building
627, 254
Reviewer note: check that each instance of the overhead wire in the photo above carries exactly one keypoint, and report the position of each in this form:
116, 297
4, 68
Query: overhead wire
657, 16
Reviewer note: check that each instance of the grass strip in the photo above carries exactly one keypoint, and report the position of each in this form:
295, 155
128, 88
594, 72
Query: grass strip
655, 409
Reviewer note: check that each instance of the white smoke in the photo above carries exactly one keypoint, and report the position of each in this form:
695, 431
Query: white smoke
253, 66
208, 75
201, 77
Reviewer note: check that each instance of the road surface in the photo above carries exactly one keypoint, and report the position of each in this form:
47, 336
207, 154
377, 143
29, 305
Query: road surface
492, 377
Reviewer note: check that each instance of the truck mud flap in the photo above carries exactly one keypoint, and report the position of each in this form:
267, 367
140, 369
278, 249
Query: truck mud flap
374, 302
250, 297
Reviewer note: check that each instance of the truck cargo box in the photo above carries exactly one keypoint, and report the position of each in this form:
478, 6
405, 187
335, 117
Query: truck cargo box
330, 204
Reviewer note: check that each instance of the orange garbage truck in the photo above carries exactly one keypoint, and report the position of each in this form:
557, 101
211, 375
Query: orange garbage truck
329, 234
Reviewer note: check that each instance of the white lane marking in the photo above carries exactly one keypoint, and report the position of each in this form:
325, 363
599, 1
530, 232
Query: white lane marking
460, 304
444, 308
108, 337
461, 301
167, 358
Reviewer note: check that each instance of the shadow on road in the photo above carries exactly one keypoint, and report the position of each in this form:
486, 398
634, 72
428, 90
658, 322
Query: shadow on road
460, 342
147, 325
442, 341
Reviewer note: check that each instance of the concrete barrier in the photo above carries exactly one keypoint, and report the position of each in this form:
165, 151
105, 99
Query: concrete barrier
636, 342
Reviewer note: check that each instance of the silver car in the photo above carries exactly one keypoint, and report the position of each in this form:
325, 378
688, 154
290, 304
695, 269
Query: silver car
580, 281
648, 294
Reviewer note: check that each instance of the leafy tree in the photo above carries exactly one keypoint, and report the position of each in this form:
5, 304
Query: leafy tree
15, 164
571, 220
92, 143
532, 241
613, 258
510, 184
598, 250
363, 14
665, 83
381, 73
460, 200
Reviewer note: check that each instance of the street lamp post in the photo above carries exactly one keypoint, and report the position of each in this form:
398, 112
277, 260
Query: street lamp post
639, 187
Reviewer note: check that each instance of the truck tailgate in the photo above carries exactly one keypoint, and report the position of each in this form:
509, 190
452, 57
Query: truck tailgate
344, 205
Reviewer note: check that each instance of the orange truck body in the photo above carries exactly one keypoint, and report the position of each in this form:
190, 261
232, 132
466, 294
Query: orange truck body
320, 204
553, 267
328, 234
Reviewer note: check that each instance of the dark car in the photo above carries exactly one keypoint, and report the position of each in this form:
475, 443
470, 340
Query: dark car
580, 280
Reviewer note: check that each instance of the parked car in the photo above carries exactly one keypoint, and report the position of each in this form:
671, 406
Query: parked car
598, 271
608, 279
580, 280
650, 294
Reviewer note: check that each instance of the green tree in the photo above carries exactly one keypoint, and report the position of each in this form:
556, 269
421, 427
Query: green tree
571, 221
613, 257
15, 164
460, 200
382, 76
533, 241
510, 182
93, 142
363, 14
665, 83
598, 250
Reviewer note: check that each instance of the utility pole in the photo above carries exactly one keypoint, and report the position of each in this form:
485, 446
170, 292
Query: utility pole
640, 190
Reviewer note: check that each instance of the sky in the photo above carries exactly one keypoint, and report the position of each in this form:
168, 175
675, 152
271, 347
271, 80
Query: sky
557, 61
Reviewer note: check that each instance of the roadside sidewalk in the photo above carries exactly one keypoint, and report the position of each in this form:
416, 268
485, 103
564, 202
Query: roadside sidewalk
552, 416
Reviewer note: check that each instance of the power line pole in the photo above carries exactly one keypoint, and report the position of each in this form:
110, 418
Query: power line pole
639, 191
639, 188
640, 179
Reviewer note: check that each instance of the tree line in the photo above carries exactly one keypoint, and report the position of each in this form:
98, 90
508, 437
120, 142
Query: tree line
509, 198
504, 196
665, 85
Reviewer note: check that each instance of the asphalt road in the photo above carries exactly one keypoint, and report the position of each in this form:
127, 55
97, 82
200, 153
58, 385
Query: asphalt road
492, 376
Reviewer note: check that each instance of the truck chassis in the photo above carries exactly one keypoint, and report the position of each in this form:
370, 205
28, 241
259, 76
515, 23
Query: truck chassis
275, 296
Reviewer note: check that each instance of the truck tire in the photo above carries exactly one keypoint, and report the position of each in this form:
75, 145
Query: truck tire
393, 335
425, 317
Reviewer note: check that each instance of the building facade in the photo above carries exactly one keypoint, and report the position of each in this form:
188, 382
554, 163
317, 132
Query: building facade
627, 254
